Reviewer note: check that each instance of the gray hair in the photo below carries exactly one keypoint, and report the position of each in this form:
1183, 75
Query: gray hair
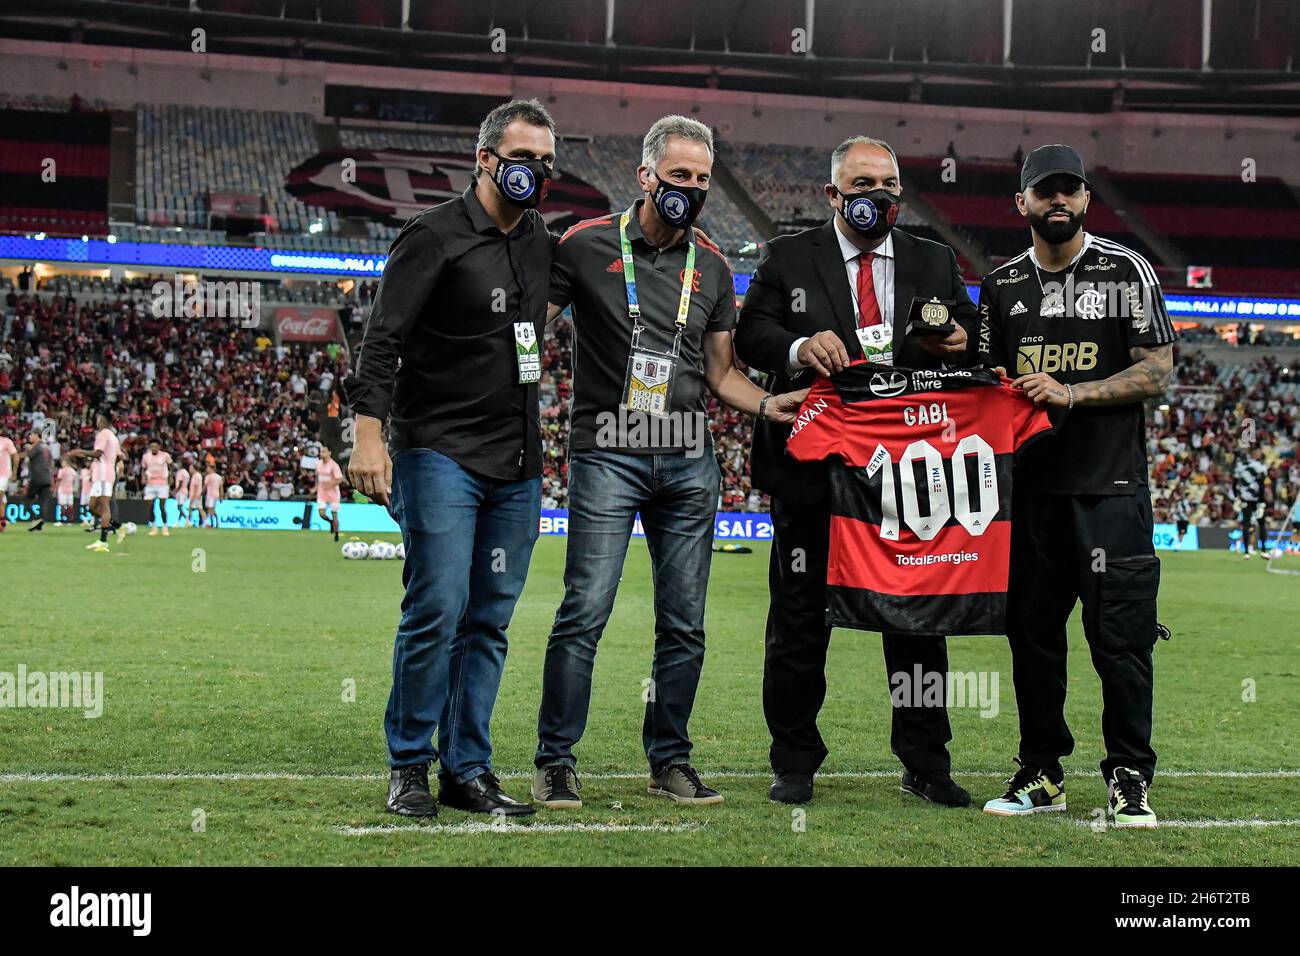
655, 143
842, 150
493, 128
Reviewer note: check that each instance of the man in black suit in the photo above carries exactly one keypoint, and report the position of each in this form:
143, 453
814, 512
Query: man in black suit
820, 299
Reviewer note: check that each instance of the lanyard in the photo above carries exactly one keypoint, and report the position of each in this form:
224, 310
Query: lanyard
629, 280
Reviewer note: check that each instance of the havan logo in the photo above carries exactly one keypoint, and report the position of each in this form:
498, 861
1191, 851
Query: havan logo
807, 414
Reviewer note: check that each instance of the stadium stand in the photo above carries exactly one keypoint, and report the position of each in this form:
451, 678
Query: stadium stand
1248, 231
183, 153
980, 200
1195, 438
204, 387
62, 158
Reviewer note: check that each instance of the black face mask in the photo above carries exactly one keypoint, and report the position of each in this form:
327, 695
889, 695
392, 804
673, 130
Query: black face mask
871, 213
678, 205
1056, 232
522, 182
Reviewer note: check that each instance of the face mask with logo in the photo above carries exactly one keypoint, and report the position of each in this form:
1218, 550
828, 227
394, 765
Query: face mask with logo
678, 205
523, 182
871, 213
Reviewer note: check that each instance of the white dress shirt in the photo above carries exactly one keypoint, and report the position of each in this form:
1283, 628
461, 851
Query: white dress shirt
882, 276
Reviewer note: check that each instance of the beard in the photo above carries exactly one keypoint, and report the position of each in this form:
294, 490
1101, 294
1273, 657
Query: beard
1056, 231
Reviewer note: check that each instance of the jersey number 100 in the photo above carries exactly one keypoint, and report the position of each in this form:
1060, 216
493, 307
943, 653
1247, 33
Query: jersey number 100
940, 507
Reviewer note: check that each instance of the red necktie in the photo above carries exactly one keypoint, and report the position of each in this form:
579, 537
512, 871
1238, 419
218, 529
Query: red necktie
868, 307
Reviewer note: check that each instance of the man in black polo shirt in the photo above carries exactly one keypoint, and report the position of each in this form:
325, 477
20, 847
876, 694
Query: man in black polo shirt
653, 311
462, 305
1081, 322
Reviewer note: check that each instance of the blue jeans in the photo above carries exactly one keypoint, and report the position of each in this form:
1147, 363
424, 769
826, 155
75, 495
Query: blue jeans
677, 498
468, 543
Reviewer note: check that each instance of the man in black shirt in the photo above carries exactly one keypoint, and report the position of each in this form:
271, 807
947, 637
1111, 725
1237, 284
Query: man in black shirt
653, 308
1081, 322
40, 478
462, 307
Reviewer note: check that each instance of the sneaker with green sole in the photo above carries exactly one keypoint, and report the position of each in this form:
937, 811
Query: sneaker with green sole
1030, 790
1128, 799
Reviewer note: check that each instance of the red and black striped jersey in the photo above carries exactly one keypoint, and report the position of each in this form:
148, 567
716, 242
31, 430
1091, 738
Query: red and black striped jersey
921, 499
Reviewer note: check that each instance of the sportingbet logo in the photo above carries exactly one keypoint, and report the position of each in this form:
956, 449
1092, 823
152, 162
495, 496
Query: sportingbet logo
75, 908
1070, 357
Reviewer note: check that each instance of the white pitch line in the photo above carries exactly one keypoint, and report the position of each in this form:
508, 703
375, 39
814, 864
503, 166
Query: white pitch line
1205, 824
518, 829
254, 775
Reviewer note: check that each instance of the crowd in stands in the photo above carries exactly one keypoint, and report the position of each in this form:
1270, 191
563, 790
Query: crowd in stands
214, 390
205, 388
1214, 415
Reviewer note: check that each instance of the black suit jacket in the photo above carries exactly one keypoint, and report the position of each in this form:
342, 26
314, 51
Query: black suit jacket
801, 289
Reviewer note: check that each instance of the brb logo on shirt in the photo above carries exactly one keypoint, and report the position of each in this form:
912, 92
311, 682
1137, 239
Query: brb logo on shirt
1070, 357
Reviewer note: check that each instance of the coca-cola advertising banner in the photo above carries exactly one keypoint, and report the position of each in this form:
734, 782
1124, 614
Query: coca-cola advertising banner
294, 324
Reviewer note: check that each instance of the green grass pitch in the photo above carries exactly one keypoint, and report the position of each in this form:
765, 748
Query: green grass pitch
221, 683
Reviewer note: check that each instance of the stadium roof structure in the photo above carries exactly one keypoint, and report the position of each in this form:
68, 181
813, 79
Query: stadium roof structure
1217, 56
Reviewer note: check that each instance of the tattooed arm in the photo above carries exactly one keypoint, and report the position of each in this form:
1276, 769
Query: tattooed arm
1147, 377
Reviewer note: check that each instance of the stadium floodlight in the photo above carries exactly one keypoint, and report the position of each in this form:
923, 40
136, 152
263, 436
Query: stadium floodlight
316, 226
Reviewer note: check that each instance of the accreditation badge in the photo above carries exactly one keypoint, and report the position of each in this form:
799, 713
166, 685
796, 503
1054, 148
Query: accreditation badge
649, 382
877, 343
527, 353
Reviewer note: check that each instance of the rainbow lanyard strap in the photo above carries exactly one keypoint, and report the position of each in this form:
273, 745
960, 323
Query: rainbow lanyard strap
629, 281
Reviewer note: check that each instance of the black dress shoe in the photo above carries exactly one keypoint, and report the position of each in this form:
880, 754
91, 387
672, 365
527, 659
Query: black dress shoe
408, 791
791, 788
935, 788
483, 794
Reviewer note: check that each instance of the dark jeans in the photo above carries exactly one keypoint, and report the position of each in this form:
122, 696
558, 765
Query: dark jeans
40, 495
794, 661
677, 498
468, 543
1097, 549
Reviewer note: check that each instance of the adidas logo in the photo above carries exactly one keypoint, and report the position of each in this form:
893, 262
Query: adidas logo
617, 265
1018, 308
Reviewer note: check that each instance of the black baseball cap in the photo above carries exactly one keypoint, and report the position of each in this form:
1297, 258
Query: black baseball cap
1051, 161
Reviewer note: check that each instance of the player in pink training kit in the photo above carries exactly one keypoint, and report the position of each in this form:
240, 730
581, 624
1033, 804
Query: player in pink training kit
328, 478
196, 493
67, 496
8, 468
155, 463
211, 495
181, 489
103, 477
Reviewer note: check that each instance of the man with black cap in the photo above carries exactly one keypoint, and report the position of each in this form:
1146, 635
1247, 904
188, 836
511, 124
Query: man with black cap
1081, 323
